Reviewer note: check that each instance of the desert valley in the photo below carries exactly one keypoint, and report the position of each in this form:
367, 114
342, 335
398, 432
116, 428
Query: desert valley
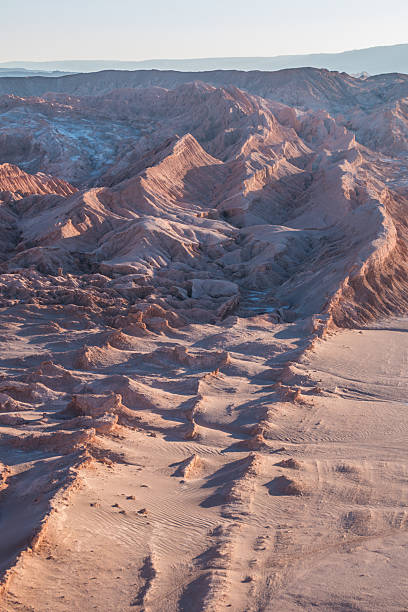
204, 342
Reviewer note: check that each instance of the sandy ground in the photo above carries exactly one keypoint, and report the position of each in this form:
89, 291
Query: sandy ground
326, 530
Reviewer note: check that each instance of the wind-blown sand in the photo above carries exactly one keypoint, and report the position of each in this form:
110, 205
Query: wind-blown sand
312, 516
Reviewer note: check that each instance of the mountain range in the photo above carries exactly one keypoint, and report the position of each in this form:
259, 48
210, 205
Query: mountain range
373, 60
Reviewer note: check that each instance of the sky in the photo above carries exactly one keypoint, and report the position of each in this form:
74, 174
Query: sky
152, 29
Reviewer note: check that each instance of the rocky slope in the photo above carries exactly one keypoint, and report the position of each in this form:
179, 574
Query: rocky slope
171, 251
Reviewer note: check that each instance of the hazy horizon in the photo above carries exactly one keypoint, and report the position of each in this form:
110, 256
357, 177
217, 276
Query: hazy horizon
372, 60
21, 62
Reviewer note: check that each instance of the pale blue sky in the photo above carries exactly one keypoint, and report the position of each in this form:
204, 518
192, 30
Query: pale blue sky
144, 29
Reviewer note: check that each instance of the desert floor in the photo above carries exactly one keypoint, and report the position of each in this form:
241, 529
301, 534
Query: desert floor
306, 512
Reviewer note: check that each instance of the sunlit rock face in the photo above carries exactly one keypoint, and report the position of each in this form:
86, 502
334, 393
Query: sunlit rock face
176, 181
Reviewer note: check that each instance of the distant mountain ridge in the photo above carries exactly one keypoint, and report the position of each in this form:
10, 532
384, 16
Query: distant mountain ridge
24, 72
373, 60
298, 87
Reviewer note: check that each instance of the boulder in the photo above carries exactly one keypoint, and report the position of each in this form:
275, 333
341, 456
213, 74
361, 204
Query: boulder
213, 288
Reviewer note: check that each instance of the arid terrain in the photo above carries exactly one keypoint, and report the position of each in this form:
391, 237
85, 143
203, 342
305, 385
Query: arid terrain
204, 342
